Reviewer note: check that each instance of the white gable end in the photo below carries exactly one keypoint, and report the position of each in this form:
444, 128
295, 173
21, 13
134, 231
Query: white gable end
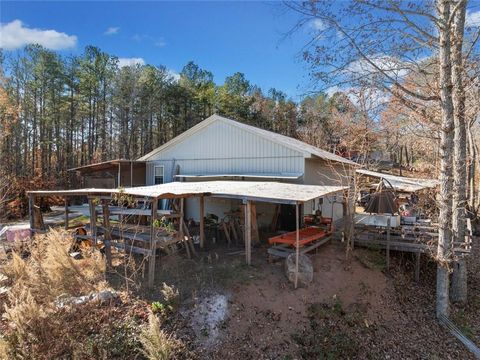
223, 148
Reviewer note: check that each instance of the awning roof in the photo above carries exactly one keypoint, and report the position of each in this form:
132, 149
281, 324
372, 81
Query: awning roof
285, 176
402, 183
274, 192
106, 165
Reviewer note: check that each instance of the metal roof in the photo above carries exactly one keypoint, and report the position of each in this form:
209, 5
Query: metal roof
246, 190
106, 165
280, 139
402, 183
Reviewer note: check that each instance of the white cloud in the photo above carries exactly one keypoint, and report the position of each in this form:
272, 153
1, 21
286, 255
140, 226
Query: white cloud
333, 90
15, 35
317, 24
156, 41
122, 62
160, 43
378, 64
175, 75
112, 30
472, 19
368, 99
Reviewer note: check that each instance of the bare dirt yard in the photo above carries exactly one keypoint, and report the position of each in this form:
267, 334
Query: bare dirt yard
354, 309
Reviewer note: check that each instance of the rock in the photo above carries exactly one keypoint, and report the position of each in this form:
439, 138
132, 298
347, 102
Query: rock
15, 233
305, 269
99, 297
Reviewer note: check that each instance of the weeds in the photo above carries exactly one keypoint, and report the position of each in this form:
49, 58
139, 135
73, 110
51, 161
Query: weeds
37, 327
371, 259
328, 336
462, 321
170, 304
157, 344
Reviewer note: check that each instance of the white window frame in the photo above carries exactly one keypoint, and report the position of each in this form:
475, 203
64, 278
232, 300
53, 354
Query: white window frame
155, 174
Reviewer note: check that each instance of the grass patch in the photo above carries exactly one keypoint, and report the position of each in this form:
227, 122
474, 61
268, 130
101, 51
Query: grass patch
371, 259
327, 336
211, 272
461, 320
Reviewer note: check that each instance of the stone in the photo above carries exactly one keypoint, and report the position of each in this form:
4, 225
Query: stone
305, 269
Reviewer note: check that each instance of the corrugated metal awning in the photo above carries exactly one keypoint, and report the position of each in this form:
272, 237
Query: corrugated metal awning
402, 183
105, 165
246, 190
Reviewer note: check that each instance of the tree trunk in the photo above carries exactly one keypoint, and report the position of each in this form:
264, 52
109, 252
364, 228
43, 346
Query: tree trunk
459, 291
446, 144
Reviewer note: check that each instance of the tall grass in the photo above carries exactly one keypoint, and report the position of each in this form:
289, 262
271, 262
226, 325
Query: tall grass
157, 344
36, 282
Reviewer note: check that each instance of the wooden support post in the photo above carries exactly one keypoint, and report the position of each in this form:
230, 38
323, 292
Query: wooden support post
417, 266
297, 242
227, 232
66, 213
153, 244
31, 212
256, 236
232, 226
202, 222
189, 241
93, 219
107, 240
388, 244
180, 230
248, 232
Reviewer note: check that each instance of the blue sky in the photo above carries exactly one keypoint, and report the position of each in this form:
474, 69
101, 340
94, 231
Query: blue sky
223, 37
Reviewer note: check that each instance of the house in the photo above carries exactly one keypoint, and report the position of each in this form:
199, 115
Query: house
222, 149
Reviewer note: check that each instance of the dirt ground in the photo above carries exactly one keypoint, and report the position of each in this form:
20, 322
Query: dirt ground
353, 309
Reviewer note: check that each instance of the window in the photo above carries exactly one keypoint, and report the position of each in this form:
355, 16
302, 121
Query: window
158, 174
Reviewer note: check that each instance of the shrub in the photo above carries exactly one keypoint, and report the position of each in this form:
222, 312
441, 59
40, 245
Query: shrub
171, 296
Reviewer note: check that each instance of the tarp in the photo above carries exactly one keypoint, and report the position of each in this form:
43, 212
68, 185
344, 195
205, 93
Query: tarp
401, 183
382, 202
245, 190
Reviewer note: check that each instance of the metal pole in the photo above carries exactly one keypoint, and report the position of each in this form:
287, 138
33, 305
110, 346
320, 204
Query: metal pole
202, 222
119, 172
153, 244
388, 244
66, 213
131, 173
297, 254
248, 232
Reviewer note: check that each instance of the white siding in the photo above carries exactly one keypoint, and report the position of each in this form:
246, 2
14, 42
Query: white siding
321, 172
221, 148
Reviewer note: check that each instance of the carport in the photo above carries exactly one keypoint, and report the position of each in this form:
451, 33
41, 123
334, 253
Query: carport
246, 191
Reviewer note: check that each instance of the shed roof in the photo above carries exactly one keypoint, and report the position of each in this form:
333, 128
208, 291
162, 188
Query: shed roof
104, 165
278, 138
402, 183
248, 190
